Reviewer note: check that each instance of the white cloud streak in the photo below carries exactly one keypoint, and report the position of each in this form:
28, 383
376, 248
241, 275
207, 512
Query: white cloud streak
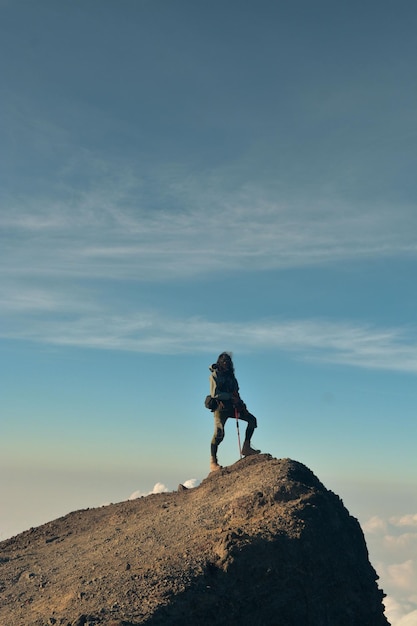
119, 230
174, 227
21, 298
149, 332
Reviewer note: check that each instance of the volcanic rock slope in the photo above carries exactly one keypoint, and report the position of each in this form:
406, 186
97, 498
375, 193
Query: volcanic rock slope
261, 542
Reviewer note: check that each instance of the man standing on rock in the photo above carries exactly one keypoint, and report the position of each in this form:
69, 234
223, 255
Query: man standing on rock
224, 389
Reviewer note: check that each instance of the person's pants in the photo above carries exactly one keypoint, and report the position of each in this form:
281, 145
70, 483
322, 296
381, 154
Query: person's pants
220, 418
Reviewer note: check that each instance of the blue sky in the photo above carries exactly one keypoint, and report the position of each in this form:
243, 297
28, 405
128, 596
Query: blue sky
180, 178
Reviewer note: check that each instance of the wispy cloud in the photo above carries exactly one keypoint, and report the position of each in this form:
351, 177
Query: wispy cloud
20, 297
128, 228
150, 332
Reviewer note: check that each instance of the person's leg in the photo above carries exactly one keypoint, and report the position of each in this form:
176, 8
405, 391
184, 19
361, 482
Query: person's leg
219, 422
252, 424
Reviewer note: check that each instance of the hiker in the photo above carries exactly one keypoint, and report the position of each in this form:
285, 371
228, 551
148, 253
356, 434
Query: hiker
224, 389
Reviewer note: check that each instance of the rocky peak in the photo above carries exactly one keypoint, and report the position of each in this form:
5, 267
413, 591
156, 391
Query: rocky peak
261, 542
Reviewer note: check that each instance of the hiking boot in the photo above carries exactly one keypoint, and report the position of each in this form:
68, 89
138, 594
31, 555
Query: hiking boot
214, 466
247, 450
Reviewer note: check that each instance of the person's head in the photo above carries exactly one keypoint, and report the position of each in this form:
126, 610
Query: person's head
224, 362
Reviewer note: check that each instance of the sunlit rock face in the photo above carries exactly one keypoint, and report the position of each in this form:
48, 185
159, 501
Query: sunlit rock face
259, 543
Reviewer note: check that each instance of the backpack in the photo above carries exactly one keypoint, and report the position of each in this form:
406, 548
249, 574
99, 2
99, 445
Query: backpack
210, 403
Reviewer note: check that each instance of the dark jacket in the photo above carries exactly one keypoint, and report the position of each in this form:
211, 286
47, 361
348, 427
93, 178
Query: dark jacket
223, 385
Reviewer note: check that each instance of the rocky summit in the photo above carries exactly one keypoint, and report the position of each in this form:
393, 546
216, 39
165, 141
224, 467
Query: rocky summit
259, 543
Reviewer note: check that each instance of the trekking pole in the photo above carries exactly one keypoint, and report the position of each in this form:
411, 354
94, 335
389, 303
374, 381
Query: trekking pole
238, 432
